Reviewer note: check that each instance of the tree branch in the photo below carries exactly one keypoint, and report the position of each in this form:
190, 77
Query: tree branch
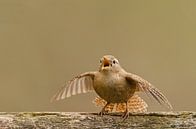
60, 120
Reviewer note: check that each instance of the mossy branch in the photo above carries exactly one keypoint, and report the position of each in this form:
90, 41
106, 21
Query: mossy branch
53, 120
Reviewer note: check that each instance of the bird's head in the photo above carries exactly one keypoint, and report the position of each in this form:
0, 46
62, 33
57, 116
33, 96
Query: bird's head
109, 63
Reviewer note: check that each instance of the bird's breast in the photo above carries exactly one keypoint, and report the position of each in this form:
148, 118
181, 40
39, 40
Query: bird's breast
112, 87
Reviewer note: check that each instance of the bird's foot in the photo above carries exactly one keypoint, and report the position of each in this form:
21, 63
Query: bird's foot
125, 115
102, 112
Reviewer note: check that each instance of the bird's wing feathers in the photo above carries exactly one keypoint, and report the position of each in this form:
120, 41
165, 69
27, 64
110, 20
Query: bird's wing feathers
149, 89
79, 84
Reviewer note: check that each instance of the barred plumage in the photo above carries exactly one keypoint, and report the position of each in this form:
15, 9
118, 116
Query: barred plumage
135, 105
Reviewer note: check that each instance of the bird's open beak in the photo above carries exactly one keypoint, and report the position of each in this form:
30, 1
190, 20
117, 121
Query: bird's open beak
106, 62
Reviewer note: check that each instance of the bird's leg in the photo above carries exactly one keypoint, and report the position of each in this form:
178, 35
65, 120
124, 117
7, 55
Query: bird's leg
126, 113
103, 109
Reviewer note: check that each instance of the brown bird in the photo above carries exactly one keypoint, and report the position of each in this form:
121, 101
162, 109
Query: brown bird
115, 87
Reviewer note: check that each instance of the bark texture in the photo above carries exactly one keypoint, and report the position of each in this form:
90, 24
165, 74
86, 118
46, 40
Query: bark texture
61, 120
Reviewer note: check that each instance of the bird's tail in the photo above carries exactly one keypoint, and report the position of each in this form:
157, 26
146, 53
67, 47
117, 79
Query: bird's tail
135, 104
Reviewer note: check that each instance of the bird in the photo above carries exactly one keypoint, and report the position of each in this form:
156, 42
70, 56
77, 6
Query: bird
116, 88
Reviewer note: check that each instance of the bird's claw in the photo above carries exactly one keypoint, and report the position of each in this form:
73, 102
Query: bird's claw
101, 113
125, 115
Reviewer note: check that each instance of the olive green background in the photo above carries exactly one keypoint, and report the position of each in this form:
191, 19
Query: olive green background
46, 42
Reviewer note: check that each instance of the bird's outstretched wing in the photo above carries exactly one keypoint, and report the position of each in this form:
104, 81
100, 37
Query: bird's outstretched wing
149, 89
79, 84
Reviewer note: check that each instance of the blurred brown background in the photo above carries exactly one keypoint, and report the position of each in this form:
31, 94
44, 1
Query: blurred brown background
46, 42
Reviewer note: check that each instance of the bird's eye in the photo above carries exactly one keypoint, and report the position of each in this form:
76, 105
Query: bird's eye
114, 62
100, 61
